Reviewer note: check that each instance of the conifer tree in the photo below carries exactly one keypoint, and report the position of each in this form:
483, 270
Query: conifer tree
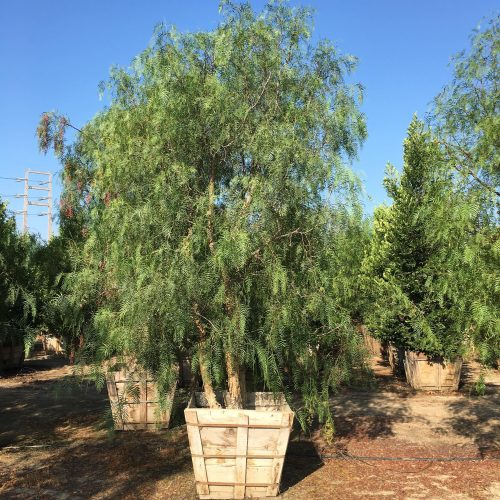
416, 255
218, 202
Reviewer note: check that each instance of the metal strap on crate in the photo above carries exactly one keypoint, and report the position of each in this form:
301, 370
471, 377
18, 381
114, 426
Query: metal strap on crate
196, 455
249, 426
216, 483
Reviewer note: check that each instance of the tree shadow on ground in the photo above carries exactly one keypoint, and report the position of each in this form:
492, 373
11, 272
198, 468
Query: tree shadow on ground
55, 443
57, 447
369, 415
477, 418
132, 464
33, 365
302, 459
34, 412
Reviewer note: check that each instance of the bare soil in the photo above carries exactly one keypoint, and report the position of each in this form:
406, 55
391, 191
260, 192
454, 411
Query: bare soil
55, 444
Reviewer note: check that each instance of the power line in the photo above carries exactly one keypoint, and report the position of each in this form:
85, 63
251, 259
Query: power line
21, 212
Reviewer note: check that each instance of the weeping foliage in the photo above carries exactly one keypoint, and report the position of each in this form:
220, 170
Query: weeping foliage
431, 273
219, 209
483, 292
466, 115
18, 275
466, 120
426, 272
30, 289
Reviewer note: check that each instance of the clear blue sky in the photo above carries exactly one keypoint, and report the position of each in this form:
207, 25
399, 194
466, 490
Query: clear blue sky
54, 53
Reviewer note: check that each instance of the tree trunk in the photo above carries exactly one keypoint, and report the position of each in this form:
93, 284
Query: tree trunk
208, 388
210, 211
76, 346
243, 385
236, 395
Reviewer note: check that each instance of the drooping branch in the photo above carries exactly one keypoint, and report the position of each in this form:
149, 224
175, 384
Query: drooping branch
252, 106
51, 130
450, 150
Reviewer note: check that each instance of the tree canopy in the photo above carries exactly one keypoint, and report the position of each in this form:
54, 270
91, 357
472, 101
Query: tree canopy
216, 204
466, 120
466, 112
20, 276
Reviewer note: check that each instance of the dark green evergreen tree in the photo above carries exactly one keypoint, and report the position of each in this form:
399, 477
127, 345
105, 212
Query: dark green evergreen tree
413, 268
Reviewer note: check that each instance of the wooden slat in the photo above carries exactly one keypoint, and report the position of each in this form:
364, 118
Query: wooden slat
196, 447
429, 374
110, 382
113, 400
225, 492
143, 398
140, 414
277, 467
241, 459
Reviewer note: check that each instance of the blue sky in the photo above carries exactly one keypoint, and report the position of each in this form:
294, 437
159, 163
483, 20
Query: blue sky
54, 54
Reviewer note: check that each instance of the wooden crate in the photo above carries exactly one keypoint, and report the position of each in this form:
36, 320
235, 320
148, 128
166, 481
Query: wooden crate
395, 356
134, 400
373, 345
11, 353
431, 374
185, 373
239, 453
52, 345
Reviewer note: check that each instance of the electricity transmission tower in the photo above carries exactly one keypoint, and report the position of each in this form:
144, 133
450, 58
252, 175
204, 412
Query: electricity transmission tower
35, 180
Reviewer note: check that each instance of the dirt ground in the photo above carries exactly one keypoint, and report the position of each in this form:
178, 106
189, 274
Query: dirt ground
390, 442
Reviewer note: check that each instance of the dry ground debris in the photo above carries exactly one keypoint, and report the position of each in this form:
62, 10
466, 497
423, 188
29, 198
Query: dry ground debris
54, 444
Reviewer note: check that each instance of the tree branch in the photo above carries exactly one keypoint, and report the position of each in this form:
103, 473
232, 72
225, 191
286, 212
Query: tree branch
468, 171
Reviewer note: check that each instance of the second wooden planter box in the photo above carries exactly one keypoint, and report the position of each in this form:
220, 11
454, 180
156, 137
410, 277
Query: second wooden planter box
11, 353
134, 400
396, 356
239, 453
431, 374
372, 344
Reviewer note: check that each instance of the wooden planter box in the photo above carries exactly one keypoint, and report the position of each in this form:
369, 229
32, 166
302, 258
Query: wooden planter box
396, 356
372, 344
431, 374
52, 345
239, 453
185, 373
11, 354
134, 400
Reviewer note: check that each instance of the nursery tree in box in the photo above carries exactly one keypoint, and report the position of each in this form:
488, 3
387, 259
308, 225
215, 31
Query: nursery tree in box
219, 194
414, 263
